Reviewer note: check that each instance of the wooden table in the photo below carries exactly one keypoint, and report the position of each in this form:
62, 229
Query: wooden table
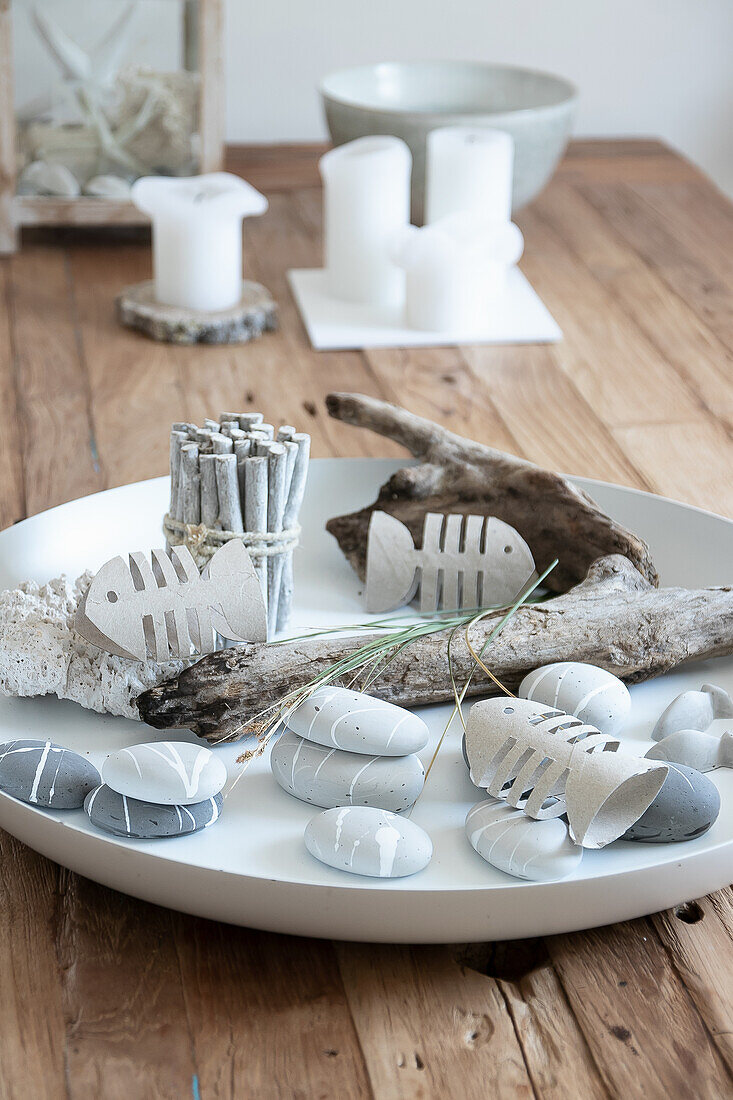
104, 996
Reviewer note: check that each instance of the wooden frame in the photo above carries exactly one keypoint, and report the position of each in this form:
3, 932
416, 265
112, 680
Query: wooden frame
203, 24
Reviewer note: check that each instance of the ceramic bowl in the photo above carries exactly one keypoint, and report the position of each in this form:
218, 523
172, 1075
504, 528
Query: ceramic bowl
410, 99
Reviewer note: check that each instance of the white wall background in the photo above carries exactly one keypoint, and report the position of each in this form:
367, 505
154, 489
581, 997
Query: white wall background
649, 67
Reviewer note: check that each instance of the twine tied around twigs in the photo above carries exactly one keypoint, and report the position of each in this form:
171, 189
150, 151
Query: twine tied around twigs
203, 541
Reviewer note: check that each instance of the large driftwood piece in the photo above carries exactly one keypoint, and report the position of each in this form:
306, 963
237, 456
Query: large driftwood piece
615, 618
555, 517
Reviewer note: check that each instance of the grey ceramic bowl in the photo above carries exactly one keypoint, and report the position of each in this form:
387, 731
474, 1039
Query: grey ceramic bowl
410, 99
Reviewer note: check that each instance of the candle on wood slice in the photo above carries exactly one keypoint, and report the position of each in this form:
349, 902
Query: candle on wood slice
469, 169
197, 236
366, 195
456, 268
255, 509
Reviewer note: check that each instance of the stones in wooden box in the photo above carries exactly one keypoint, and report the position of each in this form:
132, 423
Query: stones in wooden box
45, 774
368, 841
685, 808
167, 772
590, 693
539, 851
130, 817
350, 720
335, 777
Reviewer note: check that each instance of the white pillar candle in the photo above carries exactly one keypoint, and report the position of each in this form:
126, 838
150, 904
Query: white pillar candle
197, 236
366, 195
455, 268
469, 169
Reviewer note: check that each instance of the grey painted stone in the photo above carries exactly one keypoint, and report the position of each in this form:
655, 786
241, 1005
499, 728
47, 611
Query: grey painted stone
123, 816
174, 773
593, 695
332, 777
509, 840
343, 719
685, 808
367, 841
45, 774
256, 313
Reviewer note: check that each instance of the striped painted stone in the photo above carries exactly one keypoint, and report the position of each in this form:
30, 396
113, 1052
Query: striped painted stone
342, 719
593, 695
332, 777
46, 775
522, 847
175, 773
367, 841
131, 817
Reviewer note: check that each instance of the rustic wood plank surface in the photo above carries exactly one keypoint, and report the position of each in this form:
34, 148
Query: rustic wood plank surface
104, 996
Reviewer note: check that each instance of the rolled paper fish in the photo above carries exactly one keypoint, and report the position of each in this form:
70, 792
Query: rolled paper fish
464, 562
547, 763
163, 608
694, 710
695, 749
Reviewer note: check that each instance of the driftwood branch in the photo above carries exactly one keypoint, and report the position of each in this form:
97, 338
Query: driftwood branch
615, 618
557, 519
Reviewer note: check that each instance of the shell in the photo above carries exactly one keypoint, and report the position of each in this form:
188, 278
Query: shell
343, 719
694, 710
514, 843
695, 749
368, 841
590, 693
332, 777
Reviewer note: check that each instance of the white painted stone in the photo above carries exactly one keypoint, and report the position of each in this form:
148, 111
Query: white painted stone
107, 187
367, 841
590, 693
694, 710
42, 178
512, 842
332, 777
350, 720
173, 773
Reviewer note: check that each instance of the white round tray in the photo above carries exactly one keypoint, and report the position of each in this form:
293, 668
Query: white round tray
252, 867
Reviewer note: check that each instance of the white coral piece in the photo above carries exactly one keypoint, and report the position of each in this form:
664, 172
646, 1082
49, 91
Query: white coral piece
41, 653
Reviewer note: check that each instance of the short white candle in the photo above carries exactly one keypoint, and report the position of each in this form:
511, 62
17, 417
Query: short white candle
469, 169
455, 269
366, 195
197, 236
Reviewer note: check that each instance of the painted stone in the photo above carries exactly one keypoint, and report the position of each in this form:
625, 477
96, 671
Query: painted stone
123, 816
367, 841
350, 720
695, 749
590, 693
171, 773
46, 775
107, 187
694, 710
332, 777
514, 843
685, 808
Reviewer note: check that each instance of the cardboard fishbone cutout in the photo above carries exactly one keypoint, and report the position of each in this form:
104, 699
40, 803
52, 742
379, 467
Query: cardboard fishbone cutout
465, 561
547, 763
164, 608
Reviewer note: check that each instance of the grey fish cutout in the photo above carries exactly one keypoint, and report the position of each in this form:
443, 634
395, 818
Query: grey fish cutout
163, 608
465, 561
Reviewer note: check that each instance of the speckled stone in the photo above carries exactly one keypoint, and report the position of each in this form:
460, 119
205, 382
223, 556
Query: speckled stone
592, 694
685, 808
350, 720
512, 842
333, 777
367, 841
174, 773
46, 775
123, 816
